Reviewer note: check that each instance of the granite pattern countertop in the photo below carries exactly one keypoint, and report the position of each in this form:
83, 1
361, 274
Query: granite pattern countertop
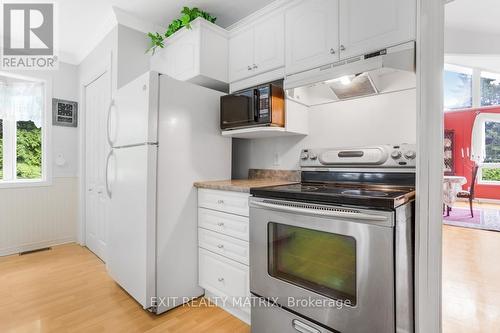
256, 178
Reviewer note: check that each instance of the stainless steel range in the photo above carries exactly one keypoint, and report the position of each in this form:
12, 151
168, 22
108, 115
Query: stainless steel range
335, 252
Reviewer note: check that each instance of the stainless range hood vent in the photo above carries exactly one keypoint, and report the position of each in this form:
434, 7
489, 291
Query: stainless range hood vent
387, 70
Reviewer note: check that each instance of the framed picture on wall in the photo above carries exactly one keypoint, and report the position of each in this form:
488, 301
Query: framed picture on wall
64, 113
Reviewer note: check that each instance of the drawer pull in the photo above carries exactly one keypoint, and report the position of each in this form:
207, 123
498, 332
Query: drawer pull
220, 202
220, 246
220, 224
303, 328
220, 279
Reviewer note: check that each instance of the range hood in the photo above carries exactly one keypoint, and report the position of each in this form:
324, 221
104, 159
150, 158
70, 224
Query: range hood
384, 71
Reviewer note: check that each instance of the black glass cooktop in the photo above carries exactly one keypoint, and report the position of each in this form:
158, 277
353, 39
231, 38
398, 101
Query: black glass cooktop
367, 195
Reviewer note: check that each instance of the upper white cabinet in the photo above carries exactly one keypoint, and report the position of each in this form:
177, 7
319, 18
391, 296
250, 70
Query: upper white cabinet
367, 25
241, 55
198, 55
257, 48
312, 36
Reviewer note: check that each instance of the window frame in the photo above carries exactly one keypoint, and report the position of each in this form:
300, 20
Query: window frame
486, 165
46, 179
477, 74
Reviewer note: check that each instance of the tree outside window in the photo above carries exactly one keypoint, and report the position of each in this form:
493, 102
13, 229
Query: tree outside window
490, 89
21, 115
492, 150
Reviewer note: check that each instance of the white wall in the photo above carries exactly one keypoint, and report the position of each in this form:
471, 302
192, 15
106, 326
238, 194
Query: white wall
389, 118
34, 217
470, 42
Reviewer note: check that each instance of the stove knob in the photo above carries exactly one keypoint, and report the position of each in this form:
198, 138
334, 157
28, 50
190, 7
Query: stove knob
410, 155
313, 156
304, 156
396, 154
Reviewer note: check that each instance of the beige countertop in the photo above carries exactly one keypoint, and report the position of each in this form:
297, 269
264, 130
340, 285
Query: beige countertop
240, 185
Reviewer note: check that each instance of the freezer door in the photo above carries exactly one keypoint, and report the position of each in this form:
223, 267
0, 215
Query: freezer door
133, 113
131, 182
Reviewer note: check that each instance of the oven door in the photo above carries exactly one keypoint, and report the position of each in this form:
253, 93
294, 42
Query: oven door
333, 265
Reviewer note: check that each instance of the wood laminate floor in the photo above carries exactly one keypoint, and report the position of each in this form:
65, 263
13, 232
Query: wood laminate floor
471, 279
67, 289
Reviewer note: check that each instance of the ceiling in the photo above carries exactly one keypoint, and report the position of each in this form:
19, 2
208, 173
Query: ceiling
473, 15
83, 23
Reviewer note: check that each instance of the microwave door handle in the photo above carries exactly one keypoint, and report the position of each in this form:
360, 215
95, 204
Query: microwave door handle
256, 101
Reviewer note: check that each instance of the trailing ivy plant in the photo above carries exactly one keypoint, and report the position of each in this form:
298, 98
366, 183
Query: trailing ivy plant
187, 16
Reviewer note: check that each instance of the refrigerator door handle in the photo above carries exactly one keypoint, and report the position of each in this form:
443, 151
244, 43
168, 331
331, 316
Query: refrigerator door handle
106, 174
108, 123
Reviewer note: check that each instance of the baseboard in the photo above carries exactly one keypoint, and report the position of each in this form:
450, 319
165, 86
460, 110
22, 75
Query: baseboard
237, 312
34, 246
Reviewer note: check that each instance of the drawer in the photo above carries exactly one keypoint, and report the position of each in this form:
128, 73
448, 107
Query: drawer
224, 201
227, 224
222, 276
226, 246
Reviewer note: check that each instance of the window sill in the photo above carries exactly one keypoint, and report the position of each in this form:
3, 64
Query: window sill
24, 183
489, 182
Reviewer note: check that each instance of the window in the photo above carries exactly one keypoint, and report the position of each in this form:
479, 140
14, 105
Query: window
322, 262
22, 105
490, 169
457, 87
490, 89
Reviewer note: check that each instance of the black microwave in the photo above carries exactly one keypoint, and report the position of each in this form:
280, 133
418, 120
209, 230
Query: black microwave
259, 106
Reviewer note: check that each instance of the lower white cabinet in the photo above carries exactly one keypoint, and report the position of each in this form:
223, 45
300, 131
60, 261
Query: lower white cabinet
224, 250
224, 278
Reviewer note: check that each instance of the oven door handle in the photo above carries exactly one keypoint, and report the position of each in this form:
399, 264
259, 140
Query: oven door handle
303, 328
322, 212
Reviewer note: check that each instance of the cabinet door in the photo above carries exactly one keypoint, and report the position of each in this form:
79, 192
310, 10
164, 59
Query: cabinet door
269, 44
311, 35
183, 56
241, 51
367, 25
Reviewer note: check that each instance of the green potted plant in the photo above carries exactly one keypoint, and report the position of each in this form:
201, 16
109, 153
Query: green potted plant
187, 16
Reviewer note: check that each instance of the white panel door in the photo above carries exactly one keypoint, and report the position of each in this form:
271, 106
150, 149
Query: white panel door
311, 35
133, 114
132, 223
97, 97
269, 43
241, 51
367, 25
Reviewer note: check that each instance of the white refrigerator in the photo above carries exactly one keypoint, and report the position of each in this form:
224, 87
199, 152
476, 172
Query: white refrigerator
164, 134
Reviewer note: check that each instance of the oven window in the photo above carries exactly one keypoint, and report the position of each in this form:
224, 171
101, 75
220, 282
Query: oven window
322, 262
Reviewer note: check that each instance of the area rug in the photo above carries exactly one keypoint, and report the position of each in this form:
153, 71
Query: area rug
486, 219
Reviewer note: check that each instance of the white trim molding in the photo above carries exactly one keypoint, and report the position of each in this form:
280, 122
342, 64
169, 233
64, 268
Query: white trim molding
428, 229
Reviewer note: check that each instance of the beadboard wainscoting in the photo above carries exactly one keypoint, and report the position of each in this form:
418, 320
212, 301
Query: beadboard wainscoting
37, 217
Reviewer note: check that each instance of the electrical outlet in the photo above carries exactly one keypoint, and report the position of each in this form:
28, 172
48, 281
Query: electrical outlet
276, 159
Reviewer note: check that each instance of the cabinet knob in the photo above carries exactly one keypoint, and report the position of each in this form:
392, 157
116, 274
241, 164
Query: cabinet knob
332, 51
249, 68
255, 66
342, 48
220, 279
220, 202
220, 246
220, 224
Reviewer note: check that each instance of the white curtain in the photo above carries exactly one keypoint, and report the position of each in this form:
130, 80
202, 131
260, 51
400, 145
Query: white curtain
21, 101
478, 152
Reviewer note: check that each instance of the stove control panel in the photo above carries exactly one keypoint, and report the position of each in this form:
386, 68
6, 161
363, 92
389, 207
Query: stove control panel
382, 156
